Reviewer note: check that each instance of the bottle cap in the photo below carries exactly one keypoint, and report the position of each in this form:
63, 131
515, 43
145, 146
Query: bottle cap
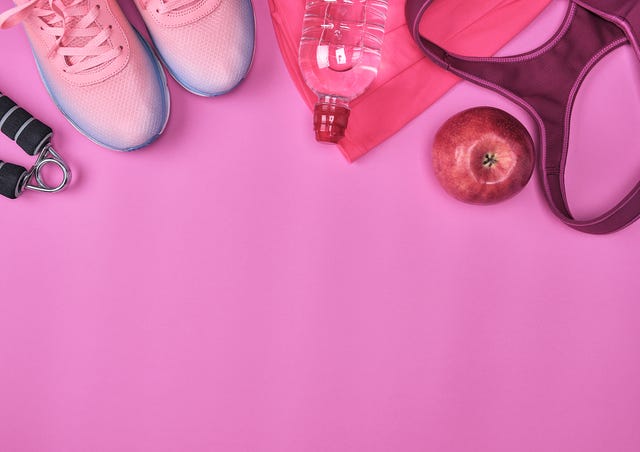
330, 121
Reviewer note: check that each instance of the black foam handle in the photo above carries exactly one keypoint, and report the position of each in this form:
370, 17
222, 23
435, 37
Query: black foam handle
10, 177
29, 133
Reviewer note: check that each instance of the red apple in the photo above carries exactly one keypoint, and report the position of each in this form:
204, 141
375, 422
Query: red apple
483, 155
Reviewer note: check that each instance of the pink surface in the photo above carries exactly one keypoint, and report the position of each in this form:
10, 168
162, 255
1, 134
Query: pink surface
237, 287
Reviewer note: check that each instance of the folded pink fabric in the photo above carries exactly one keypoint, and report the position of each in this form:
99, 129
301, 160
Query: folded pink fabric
407, 81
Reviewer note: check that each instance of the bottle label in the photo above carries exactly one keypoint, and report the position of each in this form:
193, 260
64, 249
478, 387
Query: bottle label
322, 56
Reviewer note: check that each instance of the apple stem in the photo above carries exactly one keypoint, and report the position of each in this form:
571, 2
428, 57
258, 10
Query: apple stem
490, 159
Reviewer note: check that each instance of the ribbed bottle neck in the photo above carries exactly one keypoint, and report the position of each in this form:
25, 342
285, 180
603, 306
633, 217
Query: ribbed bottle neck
330, 118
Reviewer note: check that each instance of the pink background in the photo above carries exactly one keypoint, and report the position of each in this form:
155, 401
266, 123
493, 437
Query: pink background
237, 287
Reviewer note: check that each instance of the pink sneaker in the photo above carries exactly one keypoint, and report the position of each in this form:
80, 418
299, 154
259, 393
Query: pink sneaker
99, 71
206, 45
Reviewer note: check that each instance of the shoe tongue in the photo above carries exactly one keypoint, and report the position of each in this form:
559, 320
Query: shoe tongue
78, 41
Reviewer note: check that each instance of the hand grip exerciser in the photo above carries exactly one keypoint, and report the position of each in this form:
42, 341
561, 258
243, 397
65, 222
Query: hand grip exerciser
34, 137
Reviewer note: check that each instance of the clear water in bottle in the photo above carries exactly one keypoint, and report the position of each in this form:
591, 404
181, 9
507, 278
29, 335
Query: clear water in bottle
339, 57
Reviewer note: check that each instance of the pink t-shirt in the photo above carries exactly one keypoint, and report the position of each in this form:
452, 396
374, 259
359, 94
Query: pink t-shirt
407, 81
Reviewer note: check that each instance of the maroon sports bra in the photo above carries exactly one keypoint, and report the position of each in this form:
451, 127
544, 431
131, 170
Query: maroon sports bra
545, 82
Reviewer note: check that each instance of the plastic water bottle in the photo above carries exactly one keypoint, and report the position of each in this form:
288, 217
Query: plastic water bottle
339, 57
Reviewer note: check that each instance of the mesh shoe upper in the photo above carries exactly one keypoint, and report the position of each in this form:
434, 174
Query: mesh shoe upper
97, 69
207, 45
